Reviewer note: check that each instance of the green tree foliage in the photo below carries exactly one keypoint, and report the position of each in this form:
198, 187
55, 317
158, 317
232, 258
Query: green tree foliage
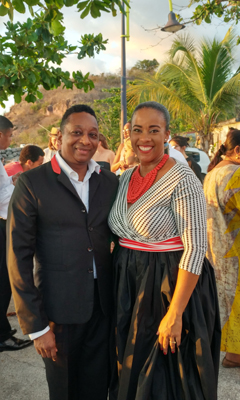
108, 112
31, 53
147, 65
228, 10
196, 84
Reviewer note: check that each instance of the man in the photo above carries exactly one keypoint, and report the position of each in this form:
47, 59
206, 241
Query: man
30, 157
62, 208
7, 340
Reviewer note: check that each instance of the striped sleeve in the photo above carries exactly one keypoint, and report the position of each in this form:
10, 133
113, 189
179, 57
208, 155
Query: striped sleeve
189, 208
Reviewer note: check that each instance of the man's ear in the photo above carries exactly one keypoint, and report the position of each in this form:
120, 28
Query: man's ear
59, 137
28, 164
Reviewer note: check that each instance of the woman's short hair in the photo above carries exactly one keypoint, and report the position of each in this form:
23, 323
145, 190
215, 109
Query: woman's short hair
156, 106
180, 140
226, 149
103, 141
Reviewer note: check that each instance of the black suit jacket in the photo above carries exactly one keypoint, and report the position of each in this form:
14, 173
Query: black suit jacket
47, 218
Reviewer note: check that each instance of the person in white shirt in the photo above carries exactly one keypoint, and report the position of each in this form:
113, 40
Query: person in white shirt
7, 339
63, 207
53, 145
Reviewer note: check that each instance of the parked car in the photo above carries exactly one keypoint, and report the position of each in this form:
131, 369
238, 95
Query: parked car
200, 157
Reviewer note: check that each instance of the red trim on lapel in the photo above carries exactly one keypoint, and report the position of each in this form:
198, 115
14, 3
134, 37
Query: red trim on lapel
99, 171
55, 165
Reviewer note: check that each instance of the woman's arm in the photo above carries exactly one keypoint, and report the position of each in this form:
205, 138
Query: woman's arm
116, 162
189, 208
171, 324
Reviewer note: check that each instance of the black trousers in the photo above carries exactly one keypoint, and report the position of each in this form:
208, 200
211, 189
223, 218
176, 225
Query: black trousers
81, 371
5, 288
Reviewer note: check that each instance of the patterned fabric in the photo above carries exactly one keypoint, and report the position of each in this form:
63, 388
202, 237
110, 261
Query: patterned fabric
222, 191
173, 206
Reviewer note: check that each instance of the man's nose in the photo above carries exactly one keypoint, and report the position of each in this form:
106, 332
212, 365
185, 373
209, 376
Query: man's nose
85, 139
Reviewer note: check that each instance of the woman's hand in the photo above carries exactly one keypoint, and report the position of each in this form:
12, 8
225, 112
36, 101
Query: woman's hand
169, 331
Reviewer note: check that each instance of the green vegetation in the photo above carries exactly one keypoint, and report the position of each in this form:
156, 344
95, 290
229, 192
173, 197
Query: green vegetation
196, 84
32, 52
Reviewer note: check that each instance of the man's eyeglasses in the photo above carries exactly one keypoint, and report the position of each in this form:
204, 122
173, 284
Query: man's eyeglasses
126, 130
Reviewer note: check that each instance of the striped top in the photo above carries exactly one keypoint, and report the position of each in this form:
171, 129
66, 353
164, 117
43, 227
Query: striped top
173, 206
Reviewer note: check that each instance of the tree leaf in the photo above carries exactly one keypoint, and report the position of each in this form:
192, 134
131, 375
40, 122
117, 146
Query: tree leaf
82, 5
17, 97
3, 10
86, 11
19, 6
57, 28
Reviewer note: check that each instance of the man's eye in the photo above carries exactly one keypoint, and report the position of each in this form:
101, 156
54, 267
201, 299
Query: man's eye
76, 133
93, 135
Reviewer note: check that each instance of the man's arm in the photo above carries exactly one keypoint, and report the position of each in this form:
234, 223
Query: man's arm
21, 239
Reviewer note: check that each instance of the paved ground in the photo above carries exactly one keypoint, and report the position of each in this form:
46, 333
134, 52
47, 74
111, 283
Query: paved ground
22, 375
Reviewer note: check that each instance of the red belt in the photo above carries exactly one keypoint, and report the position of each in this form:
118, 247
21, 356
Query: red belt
173, 244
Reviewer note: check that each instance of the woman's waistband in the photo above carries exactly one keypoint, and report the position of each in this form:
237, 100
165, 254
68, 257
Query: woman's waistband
173, 244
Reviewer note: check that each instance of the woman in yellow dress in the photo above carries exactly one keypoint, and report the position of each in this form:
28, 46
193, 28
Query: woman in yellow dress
222, 191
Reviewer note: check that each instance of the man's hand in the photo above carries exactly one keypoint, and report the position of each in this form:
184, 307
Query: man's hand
15, 177
46, 345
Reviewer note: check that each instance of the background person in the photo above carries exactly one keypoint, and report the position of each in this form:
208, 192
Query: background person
53, 145
30, 157
222, 192
7, 339
119, 162
180, 143
163, 281
103, 156
62, 207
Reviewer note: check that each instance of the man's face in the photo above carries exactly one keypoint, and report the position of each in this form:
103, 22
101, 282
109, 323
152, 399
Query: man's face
79, 139
5, 138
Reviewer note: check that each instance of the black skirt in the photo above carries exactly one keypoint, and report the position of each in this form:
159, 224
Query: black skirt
144, 285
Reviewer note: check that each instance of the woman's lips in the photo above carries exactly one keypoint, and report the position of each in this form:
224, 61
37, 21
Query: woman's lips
145, 149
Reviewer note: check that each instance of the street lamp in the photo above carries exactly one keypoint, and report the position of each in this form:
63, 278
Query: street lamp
124, 36
172, 25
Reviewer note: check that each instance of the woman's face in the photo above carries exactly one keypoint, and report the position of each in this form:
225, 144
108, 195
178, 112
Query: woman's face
148, 135
177, 147
55, 143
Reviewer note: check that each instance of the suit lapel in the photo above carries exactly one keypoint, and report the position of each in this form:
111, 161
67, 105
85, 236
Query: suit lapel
63, 179
93, 185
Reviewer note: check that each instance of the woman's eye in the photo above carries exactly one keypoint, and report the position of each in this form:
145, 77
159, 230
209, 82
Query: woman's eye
136, 130
154, 131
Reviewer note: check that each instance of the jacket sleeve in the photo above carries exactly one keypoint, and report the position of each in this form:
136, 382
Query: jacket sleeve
21, 240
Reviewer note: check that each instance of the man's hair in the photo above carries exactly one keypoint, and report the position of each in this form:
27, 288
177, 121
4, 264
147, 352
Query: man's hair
78, 108
155, 106
30, 152
5, 124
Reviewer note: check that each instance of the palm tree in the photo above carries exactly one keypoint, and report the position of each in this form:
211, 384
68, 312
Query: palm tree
196, 83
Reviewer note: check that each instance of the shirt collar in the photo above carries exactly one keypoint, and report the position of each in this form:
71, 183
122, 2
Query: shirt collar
71, 174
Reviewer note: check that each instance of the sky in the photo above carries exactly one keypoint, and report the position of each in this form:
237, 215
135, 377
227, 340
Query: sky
145, 42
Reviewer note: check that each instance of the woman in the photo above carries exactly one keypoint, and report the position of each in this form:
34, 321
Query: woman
119, 162
180, 143
165, 288
103, 156
53, 146
222, 191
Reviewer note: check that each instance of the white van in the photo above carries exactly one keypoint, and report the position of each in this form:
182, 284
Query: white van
200, 157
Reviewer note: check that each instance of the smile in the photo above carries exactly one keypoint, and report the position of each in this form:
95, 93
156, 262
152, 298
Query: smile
145, 149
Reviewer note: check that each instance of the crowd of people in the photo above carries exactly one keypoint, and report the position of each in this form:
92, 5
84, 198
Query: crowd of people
127, 285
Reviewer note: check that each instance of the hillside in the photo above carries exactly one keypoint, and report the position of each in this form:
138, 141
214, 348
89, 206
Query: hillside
33, 121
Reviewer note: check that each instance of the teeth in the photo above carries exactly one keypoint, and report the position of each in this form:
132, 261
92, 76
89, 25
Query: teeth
145, 148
